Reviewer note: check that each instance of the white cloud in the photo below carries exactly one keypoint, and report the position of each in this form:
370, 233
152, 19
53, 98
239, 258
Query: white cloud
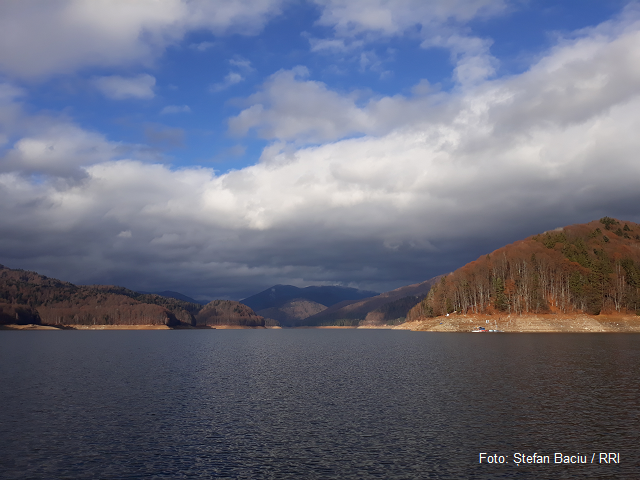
120, 88
59, 149
415, 196
290, 107
202, 46
335, 45
440, 23
241, 63
231, 79
43, 37
175, 109
355, 17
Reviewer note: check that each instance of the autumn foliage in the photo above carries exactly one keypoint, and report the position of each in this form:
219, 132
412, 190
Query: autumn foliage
587, 268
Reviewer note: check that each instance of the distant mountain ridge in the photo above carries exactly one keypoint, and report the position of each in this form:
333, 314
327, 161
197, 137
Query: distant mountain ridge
372, 311
293, 312
278, 295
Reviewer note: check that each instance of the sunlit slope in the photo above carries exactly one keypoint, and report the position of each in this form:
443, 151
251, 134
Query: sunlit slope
587, 268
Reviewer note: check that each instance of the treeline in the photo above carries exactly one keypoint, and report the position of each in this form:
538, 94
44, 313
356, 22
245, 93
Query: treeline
589, 268
27, 297
55, 302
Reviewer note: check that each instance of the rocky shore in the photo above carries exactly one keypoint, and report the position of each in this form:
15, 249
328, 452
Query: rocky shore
580, 323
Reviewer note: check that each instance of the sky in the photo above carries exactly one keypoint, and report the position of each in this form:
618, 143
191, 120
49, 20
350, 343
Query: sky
217, 148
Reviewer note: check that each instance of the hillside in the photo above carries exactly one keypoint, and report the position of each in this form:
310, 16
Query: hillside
292, 312
388, 307
34, 298
227, 312
327, 296
591, 269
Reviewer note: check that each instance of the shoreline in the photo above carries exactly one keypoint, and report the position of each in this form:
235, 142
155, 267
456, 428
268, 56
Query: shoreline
534, 323
129, 327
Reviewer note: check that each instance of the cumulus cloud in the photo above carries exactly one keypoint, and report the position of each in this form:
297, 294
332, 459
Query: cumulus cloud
48, 37
120, 88
289, 107
175, 109
485, 165
60, 149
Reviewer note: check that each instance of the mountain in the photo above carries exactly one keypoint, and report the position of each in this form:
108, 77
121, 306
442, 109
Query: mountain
227, 312
327, 296
355, 312
587, 268
27, 297
292, 312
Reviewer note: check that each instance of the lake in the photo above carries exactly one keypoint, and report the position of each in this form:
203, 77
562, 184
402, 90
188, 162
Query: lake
316, 404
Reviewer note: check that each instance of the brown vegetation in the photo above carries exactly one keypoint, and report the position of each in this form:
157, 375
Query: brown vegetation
227, 312
38, 299
590, 268
18, 315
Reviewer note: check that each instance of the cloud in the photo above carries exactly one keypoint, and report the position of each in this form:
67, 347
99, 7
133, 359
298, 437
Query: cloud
355, 17
175, 109
60, 149
437, 186
241, 63
334, 45
52, 37
440, 23
202, 46
231, 79
289, 107
120, 88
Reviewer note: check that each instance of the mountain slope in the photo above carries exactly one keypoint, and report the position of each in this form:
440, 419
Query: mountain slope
292, 312
36, 298
278, 295
227, 312
353, 312
586, 268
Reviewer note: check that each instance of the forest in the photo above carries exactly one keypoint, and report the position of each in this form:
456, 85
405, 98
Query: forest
588, 268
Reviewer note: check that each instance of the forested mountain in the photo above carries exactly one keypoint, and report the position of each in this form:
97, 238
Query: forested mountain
34, 298
227, 312
586, 268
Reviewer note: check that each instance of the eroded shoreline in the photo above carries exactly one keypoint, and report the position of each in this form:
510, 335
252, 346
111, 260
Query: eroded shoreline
543, 323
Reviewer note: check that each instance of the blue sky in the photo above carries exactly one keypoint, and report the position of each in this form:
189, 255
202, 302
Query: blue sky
217, 148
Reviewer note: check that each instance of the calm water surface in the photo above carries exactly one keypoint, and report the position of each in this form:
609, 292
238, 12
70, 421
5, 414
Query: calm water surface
312, 404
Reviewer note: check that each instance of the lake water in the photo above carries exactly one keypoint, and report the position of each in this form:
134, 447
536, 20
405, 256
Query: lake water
312, 404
